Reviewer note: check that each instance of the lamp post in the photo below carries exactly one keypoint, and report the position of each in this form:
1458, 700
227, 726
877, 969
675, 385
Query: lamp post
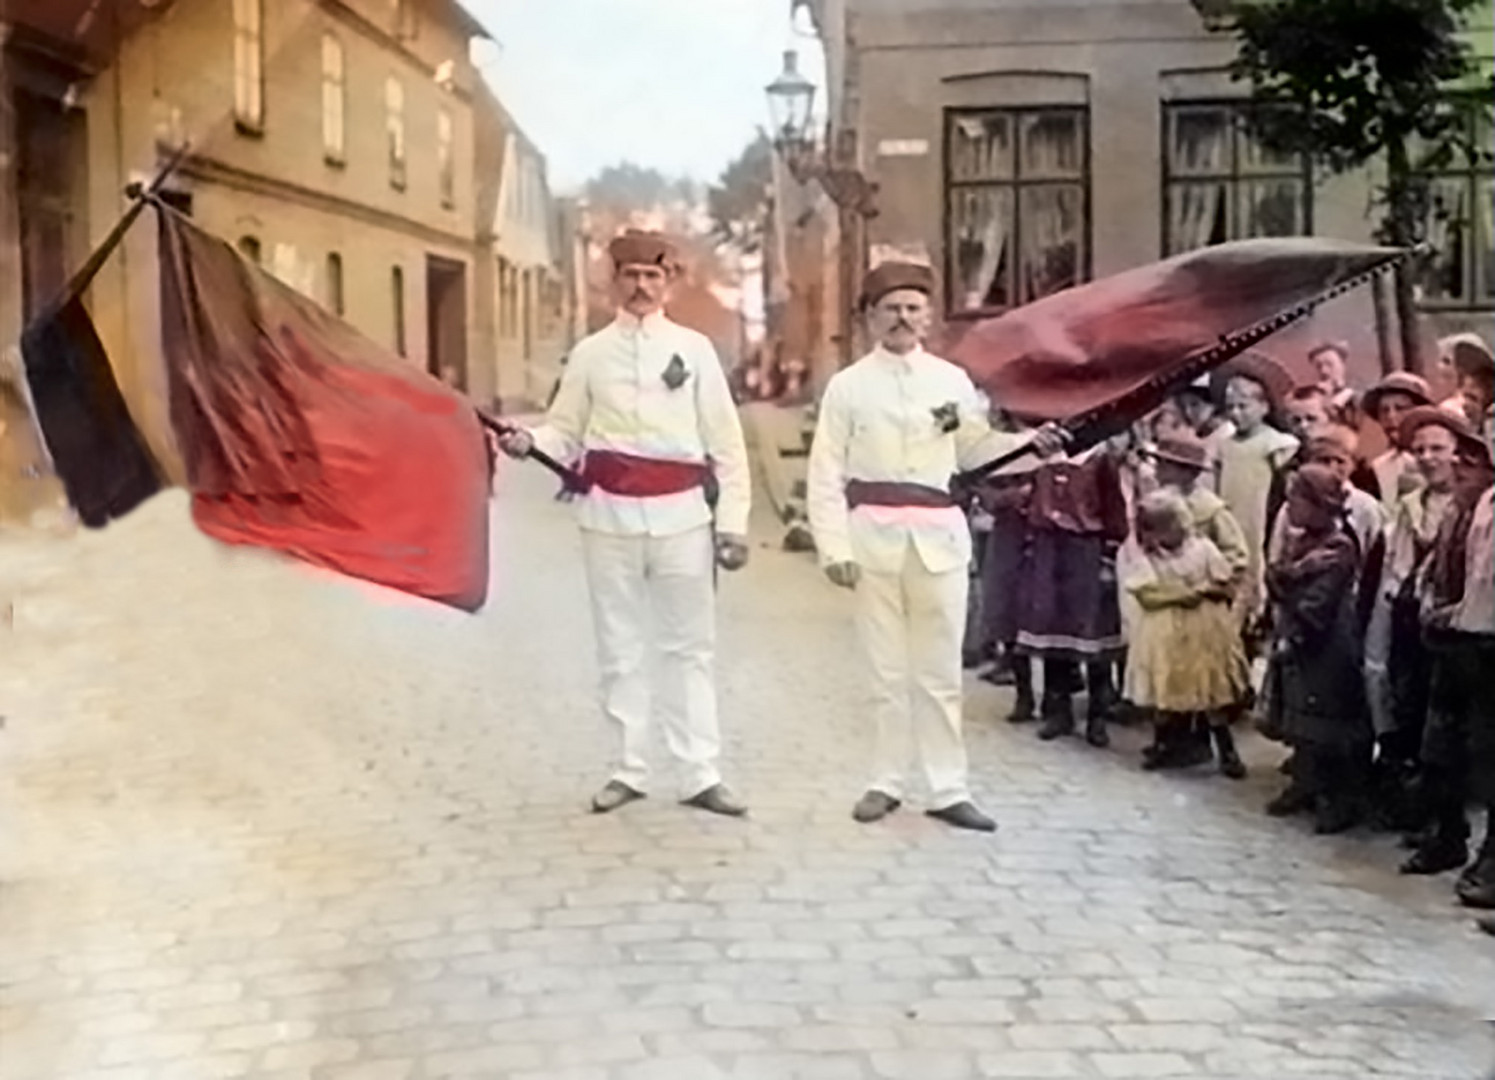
791, 102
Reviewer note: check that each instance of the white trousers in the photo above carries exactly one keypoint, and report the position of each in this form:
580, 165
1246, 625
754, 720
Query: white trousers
659, 591
911, 624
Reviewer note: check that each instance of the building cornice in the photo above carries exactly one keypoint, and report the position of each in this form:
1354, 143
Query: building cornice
354, 20
210, 170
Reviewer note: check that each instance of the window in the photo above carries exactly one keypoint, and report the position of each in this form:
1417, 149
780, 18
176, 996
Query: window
249, 65
1017, 202
397, 302
335, 283
249, 247
394, 111
334, 100
445, 164
1460, 226
1220, 184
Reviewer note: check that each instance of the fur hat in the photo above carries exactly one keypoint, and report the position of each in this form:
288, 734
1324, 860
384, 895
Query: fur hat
893, 275
638, 248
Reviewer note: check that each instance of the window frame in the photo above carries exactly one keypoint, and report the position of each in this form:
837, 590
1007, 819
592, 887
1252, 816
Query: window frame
249, 52
1477, 177
336, 283
397, 302
1233, 179
334, 101
397, 151
1015, 183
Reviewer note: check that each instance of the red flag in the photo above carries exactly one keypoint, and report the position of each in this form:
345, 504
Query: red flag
300, 434
1087, 347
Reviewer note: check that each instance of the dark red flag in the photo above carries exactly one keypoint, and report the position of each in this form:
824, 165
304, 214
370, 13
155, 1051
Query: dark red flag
1084, 349
302, 435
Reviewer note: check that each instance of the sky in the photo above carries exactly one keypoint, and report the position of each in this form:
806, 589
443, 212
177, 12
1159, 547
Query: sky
675, 85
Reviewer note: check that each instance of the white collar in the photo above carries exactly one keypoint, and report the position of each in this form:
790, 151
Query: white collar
907, 359
632, 324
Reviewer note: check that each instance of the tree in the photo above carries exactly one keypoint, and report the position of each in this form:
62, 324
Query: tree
1348, 82
627, 188
737, 201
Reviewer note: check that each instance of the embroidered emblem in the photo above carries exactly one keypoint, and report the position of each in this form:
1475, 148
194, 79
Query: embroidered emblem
675, 373
946, 417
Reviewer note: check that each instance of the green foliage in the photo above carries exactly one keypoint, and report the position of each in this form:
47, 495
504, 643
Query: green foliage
737, 201
1345, 80
628, 187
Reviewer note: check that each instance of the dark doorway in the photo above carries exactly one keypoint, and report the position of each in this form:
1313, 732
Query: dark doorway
446, 320
51, 141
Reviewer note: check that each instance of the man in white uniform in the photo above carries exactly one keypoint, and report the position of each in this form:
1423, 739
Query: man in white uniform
644, 406
893, 429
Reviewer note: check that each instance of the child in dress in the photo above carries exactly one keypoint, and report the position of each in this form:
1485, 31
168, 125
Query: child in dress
1186, 659
1254, 389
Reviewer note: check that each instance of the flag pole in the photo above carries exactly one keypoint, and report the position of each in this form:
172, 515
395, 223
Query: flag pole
569, 477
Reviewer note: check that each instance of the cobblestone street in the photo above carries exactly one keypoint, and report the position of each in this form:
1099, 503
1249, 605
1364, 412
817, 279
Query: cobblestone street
259, 821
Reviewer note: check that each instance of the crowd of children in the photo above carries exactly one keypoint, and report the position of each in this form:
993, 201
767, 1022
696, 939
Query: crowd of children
1236, 556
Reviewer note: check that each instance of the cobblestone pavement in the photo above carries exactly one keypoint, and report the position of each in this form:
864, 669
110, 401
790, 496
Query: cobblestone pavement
257, 821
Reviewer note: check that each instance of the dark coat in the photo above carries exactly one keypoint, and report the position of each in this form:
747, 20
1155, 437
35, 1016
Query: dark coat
1318, 647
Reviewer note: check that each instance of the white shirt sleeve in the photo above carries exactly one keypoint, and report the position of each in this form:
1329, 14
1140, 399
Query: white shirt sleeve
976, 441
826, 483
721, 435
560, 434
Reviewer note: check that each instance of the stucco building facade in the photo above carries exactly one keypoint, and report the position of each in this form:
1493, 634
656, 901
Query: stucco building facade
1021, 147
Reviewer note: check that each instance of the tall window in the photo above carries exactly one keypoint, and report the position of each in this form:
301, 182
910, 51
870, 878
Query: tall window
1017, 196
249, 64
1220, 184
397, 302
446, 165
1461, 227
394, 112
335, 283
334, 100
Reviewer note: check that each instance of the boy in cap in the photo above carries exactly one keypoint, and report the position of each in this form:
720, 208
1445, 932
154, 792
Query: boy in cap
892, 430
645, 407
1387, 403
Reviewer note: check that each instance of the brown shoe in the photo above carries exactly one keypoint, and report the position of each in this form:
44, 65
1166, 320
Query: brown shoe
874, 806
613, 795
716, 800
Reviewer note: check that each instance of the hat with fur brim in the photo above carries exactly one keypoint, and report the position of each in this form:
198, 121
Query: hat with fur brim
1398, 382
1260, 369
894, 275
638, 248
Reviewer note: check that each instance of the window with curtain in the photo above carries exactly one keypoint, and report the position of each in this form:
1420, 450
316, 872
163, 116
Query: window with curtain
1460, 226
249, 65
446, 164
1017, 196
334, 100
394, 122
1220, 184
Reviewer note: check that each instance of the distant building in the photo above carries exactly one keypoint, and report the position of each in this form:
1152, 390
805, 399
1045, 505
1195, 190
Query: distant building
1022, 146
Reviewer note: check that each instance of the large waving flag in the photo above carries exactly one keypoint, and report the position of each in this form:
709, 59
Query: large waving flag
298, 433
1098, 356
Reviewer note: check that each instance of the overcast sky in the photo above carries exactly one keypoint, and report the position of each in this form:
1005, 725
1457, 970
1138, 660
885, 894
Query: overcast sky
672, 84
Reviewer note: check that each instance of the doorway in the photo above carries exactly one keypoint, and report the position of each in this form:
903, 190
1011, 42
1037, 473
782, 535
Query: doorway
446, 320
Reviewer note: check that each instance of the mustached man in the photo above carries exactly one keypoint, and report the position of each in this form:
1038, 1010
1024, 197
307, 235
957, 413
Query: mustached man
644, 407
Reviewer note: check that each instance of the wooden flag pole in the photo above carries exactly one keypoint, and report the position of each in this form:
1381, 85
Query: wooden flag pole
572, 479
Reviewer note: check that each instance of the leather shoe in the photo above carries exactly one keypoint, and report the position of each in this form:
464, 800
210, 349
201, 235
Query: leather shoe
964, 815
1437, 856
613, 795
716, 800
874, 806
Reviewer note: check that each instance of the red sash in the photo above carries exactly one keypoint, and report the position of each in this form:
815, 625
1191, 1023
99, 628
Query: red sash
895, 493
618, 473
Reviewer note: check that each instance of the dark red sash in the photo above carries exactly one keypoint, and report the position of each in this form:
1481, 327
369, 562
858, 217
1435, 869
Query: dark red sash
894, 493
618, 473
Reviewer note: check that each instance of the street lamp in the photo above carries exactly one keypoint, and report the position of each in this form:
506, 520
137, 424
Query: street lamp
791, 104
